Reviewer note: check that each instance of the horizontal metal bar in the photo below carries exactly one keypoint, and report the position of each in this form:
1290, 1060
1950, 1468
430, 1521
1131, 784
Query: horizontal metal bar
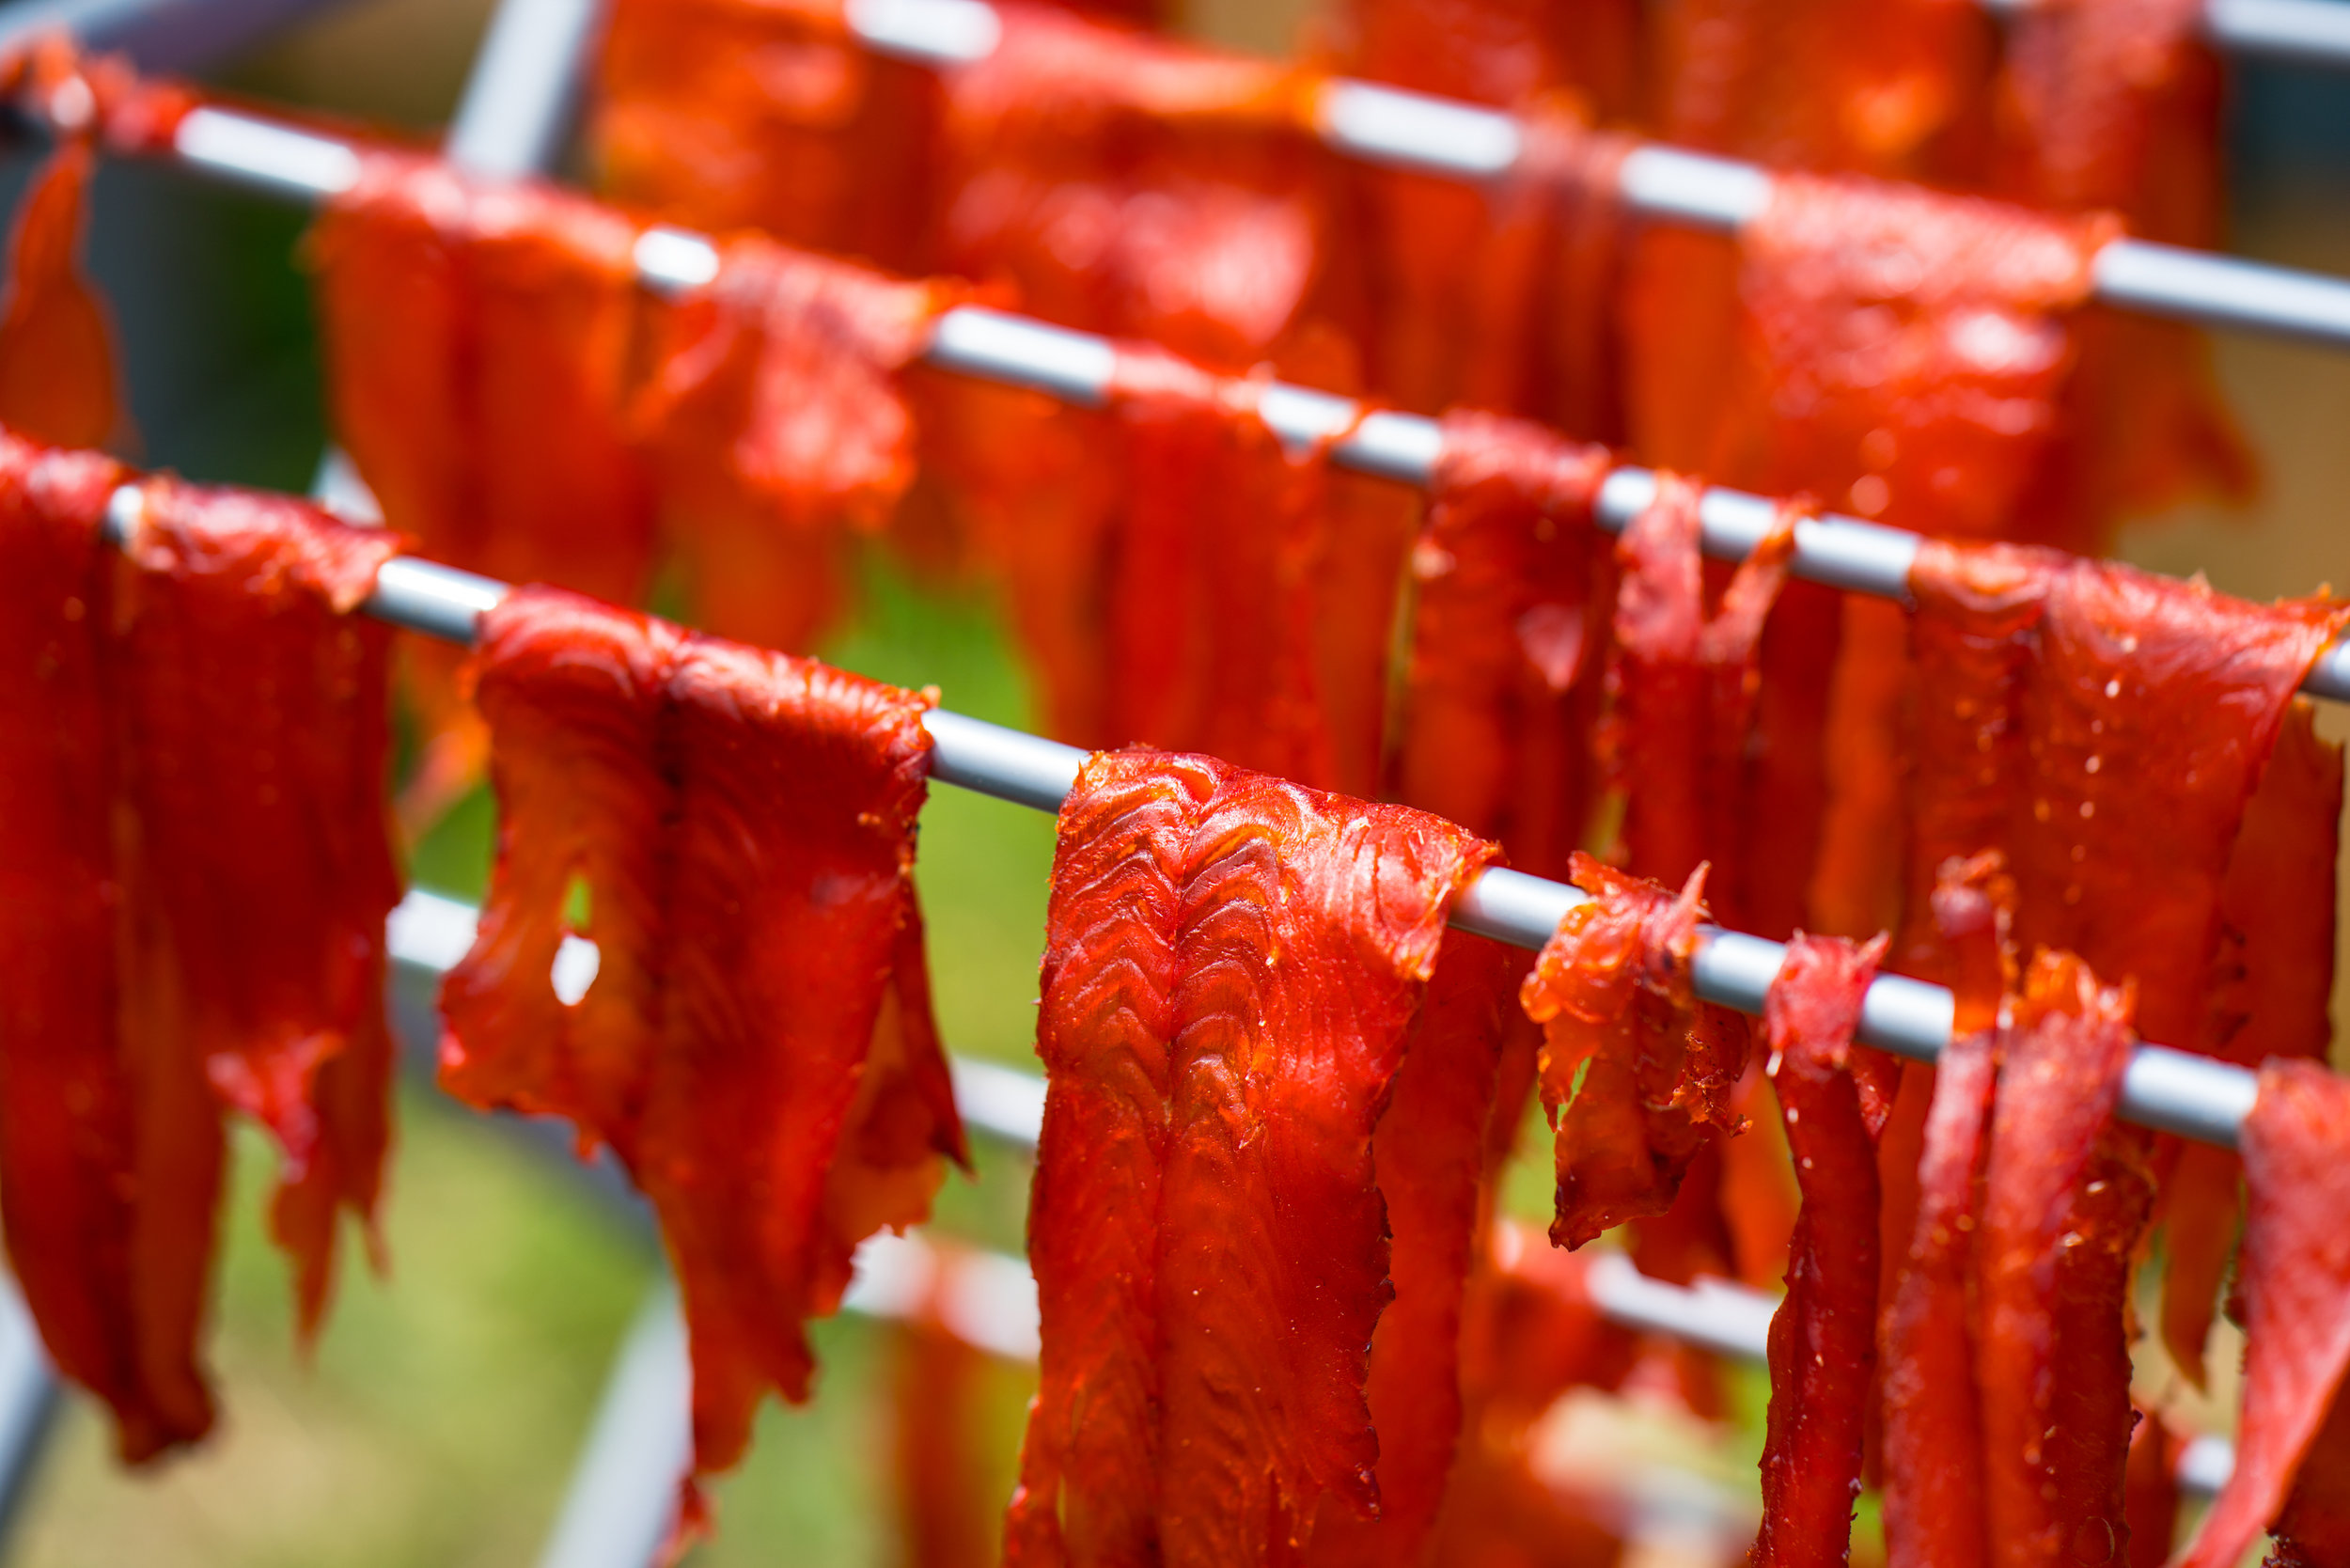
2306, 32
2222, 291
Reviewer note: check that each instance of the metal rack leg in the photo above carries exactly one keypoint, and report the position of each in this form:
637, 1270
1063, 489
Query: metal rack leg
28, 1404
624, 1492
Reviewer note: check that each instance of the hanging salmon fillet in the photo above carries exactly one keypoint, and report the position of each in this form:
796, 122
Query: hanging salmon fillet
1530, 1333
1636, 1074
1684, 686
2063, 707
1499, 52
777, 430
256, 706
2065, 1198
1429, 1151
1213, 609
1862, 87
1932, 1439
1232, 964
743, 114
2113, 103
69, 1105
2116, 104
1823, 1348
57, 346
2151, 1491
2293, 1444
1178, 576
2274, 983
1028, 491
477, 338
476, 341
730, 114
733, 831
2066, 704
1126, 184
1898, 351
198, 876
1502, 296
2007, 1414
1501, 691
938, 1455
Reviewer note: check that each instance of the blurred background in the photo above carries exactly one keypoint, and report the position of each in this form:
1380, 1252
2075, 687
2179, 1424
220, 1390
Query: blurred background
448, 1402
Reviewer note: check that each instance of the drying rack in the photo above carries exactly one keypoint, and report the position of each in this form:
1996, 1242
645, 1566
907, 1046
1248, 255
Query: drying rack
511, 121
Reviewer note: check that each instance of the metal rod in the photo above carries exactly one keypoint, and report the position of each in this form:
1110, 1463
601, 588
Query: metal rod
1076, 367
1436, 135
622, 1499
28, 1405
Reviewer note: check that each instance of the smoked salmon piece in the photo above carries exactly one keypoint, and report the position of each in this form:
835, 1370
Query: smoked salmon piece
2293, 1444
198, 874
69, 1105
2273, 982
1933, 1457
1636, 1074
1845, 86
1238, 597
1232, 965
1177, 576
2116, 104
1822, 1345
256, 702
1503, 687
1686, 684
1530, 1333
742, 115
1128, 184
57, 345
574, 694
476, 341
1502, 296
2151, 1495
2113, 103
477, 336
2064, 1204
733, 831
734, 115
778, 432
1499, 52
2065, 705
2063, 708
939, 1458
1429, 1151
1897, 351
2007, 1402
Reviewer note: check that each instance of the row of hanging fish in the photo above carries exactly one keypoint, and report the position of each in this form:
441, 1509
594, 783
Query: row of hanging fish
1278, 1089
1255, 1027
